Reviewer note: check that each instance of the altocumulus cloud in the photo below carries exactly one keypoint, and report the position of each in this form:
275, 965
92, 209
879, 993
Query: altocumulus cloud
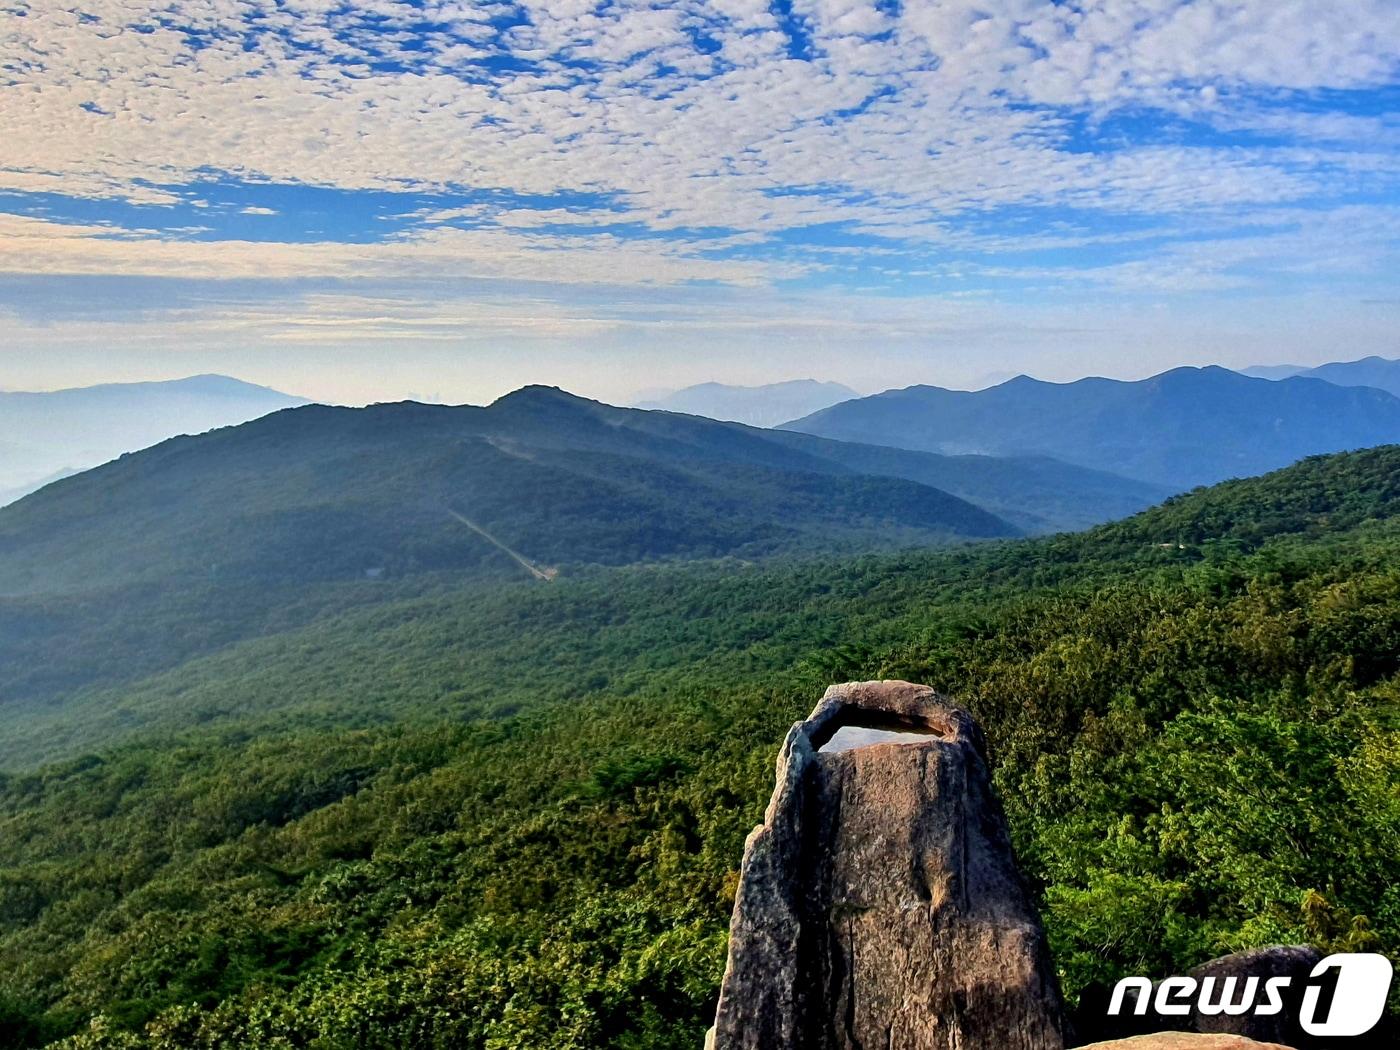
1004, 147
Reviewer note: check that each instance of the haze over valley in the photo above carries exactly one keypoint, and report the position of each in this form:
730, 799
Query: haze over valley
44, 436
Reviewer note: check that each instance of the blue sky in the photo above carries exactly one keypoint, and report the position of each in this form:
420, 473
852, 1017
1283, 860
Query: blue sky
448, 199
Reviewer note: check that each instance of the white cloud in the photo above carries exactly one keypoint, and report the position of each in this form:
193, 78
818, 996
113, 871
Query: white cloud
621, 98
37, 246
622, 182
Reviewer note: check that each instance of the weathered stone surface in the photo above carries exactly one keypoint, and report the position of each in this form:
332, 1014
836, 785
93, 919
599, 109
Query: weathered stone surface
879, 903
1186, 1041
1296, 962
1293, 961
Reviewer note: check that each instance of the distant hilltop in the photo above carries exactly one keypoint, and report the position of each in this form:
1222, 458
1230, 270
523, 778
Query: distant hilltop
758, 406
47, 435
1379, 372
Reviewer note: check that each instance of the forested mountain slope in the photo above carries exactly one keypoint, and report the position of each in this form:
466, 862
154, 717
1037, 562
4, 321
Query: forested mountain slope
512, 817
199, 542
1036, 493
324, 493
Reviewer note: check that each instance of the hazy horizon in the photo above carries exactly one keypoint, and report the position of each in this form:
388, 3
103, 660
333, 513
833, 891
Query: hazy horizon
653, 393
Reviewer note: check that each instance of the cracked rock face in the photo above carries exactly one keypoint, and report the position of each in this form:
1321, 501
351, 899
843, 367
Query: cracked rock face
879, 902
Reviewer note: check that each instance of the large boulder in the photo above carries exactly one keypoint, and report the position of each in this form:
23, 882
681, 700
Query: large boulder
879, 903
1185, 1041
1292, 961
1092, 1020
1232, 973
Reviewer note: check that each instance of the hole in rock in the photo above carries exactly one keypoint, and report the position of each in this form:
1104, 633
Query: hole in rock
849, 737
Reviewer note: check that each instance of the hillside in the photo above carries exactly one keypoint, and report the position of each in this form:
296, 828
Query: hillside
1183, 428
325, 494
97, 683
759, 406
44, 436
510, 815
198, 542
1315, 497
1035, 493
110, 578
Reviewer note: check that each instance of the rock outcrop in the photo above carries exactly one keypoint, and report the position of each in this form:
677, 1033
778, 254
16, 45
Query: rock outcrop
879, 903
1185, 1041
1292, 961
1296, 962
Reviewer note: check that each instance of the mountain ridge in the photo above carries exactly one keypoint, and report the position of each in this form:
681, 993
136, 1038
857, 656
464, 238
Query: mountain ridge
406, 461
1381, 373
1181, 428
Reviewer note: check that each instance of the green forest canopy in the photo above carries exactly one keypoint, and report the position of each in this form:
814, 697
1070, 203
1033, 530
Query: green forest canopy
510, 815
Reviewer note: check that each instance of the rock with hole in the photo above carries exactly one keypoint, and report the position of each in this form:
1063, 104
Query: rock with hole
879, 902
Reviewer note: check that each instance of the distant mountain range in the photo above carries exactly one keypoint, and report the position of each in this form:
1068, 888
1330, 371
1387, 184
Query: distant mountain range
759, 406
48, 435
1183, 428
1378, 372
1035, 493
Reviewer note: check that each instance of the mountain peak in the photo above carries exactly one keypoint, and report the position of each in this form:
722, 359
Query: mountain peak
538, 394
1021, 380
214, 384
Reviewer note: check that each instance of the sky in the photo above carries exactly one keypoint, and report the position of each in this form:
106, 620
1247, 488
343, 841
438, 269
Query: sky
445, 200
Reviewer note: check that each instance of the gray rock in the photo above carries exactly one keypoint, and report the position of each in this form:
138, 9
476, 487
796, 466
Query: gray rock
879, 903
1296, 962
1185, 1041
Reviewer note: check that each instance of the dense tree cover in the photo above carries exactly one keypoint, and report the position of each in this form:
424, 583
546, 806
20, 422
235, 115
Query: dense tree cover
513, 817
192, 545
80, 669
